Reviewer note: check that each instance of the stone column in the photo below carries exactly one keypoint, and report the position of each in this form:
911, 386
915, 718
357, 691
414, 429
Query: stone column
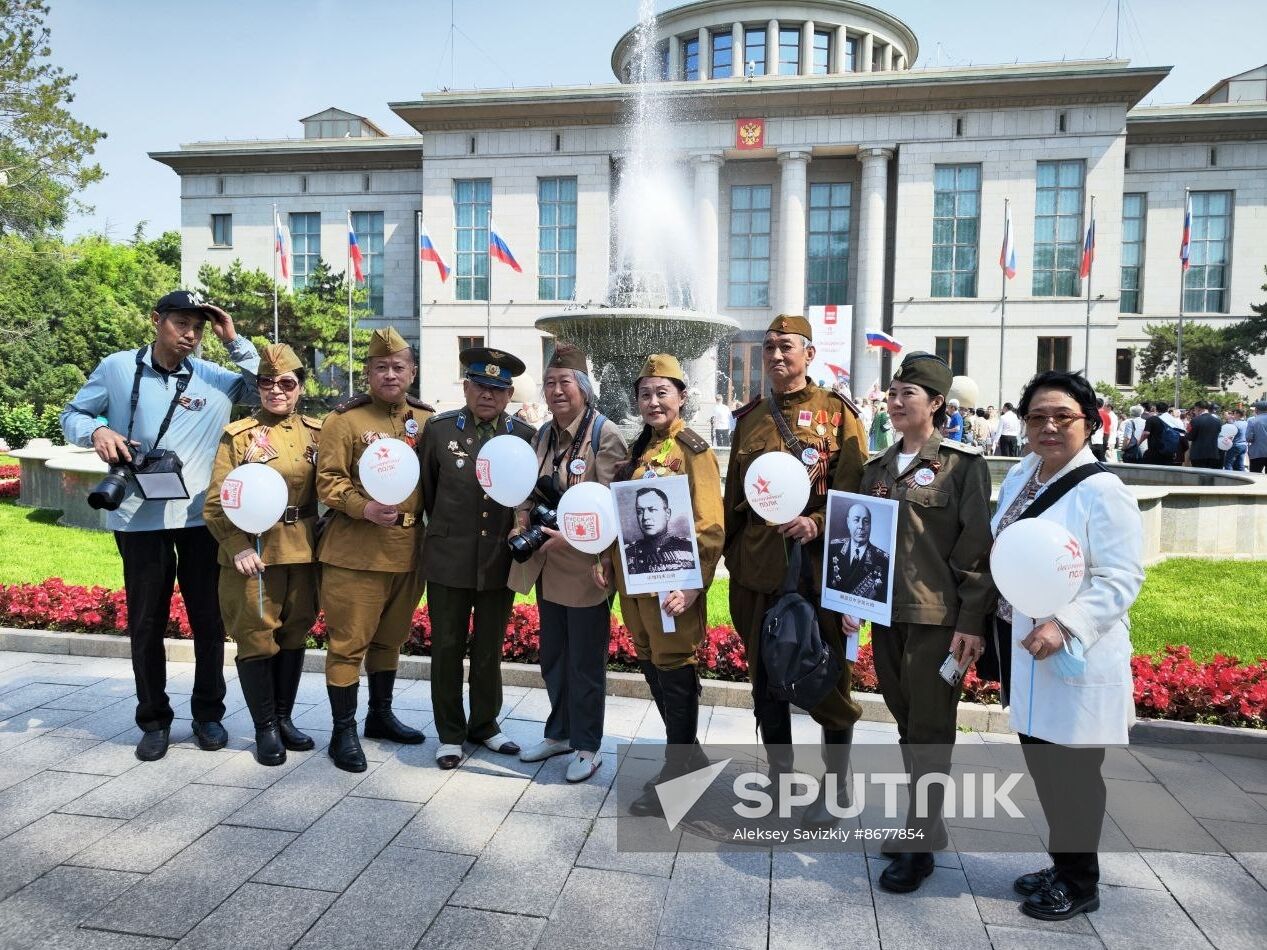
868, 44
675, 58
705, 53
807, 48
868, 311
772, 48
840, 51
888, 57
899, 63
739, 65
703, 371
793, 166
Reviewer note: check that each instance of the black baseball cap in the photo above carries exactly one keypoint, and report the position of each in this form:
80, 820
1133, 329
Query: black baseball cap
185, 300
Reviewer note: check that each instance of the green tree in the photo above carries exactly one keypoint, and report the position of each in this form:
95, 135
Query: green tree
1162, 389
44, 149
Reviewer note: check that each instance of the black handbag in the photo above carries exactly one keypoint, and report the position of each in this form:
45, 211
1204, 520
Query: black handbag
799, 666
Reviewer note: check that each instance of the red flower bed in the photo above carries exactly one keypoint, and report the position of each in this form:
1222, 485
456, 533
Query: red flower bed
10, 485
1172, 686
9, 471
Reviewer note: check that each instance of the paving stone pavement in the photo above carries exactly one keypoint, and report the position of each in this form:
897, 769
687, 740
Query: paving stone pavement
212, 850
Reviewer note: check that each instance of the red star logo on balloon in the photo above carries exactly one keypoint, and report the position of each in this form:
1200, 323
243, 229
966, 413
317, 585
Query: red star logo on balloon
762, 486
580, 530
383, 453
1073, 548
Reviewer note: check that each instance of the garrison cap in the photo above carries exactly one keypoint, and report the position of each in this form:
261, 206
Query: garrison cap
386, 342
278, 358
927, 370
664, 366
185, 300
494, 368
569, 356
791, 323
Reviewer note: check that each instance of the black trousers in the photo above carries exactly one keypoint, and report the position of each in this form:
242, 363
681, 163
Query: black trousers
1008, 446
1213, 462
1258, 464
1071, 791
152, 563
574, 645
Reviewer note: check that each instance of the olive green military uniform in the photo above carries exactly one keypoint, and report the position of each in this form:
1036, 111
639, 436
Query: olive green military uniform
289, 446
680, 452
756, 554
466, 562
371, 578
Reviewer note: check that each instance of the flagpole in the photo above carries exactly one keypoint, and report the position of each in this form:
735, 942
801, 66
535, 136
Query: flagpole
418, 254
1003, 304
350, 279
488, 302
1086, 366
1183, 273
277, 236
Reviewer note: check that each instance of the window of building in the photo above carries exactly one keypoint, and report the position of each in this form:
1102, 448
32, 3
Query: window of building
303, 184
744, 371
1205, 283
219, 186
222, 230
690, 58
851, 54
472, 202
467, 343
1133, 213
305, 246
1125, 373
661, 67
954, 350
556, 238
827, 244
821, 64
723, 55
1053, 353
789, 52
750, 246
754, 52
956, 224
365, 183
368, 226
1058, 228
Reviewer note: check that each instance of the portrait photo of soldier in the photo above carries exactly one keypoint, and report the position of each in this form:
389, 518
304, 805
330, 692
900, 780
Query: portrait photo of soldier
857, 571
656, 531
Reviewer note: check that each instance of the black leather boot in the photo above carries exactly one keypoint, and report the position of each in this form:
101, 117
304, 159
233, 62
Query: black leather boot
288, 666
651, 673
906, 872
256, 679
774, 722
381, 722
682, 752
345, 748
837, 744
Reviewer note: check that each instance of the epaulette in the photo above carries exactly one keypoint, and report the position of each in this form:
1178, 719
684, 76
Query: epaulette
311, 422
961, 446
876, 458
744, 410
419, 404
853, 406
242, 425
523, 427
447, 414
353, 403
693, 440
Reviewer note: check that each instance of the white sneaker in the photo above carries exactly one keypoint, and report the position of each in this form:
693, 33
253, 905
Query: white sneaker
581, 768
544, 750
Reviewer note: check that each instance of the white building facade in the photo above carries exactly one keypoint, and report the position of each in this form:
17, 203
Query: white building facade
822, 170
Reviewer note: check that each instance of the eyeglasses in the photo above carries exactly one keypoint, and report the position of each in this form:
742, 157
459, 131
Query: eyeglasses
285, 384
1036, 420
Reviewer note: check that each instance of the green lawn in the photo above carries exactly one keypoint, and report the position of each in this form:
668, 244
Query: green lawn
1212, 606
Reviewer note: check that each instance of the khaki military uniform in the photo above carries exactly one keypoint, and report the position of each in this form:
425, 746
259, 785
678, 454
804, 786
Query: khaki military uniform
756, 553
371, 578
941, 578
681, 452
465, 562
289, 446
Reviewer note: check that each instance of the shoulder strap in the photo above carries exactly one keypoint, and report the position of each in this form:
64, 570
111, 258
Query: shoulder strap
1062, 488
793, 568
792, 443
596, 431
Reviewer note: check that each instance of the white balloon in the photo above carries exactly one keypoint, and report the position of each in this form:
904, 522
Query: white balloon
389, 471
777, 486
1038, 566
1227, 435
506, 468
253, 497
587, 517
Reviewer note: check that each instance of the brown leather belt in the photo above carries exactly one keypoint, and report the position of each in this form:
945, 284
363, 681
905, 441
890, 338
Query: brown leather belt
295, 513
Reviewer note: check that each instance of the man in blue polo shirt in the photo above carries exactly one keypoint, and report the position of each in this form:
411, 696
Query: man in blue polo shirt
163, 390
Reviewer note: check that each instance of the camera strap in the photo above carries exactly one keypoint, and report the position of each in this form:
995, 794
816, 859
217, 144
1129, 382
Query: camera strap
182, 383
571, 450
793, 444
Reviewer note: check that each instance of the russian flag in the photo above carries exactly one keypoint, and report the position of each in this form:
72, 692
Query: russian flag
1007, 256
279, 246
427, 251
1185, 245
1088, 252
498, 249
884, 342
354, 253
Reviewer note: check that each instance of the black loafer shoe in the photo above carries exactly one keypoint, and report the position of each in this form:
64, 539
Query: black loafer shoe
153, 745
449, 762
1055, 901
210, 735
907, 872
1028, 884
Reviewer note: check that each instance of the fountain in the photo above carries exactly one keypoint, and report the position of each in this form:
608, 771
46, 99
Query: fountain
650, 294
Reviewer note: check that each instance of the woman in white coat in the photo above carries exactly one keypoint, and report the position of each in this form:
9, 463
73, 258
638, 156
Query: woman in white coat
1070, 689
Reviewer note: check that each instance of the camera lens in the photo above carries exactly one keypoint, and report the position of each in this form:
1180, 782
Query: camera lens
108, 494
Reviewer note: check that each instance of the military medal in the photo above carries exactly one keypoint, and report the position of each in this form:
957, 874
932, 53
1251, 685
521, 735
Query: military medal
809, 457
577, 466
461, 462
411, 426
821, 429
804, 418
924, 477
453, 446
835, 420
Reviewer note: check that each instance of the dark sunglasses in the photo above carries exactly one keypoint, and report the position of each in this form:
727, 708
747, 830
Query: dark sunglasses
285, 384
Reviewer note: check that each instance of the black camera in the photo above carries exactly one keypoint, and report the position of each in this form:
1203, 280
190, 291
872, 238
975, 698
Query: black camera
156, 477
542, 514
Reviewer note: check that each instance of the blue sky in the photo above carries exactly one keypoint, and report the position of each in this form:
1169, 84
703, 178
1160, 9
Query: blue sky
157, 73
